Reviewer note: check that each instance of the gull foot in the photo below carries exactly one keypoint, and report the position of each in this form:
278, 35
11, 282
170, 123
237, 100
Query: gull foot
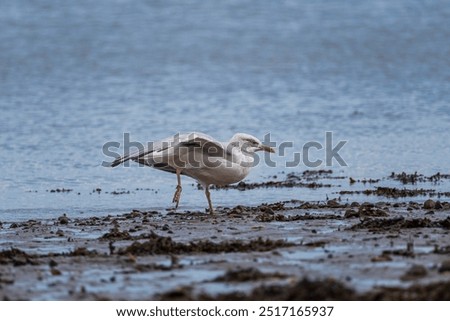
177, 195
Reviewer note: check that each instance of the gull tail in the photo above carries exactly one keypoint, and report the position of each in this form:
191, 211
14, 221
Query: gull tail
133, 156
120, 160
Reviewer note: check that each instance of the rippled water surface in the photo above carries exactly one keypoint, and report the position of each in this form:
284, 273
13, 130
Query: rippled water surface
77, 74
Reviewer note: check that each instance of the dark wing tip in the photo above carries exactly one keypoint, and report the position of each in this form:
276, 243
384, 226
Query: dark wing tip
190, 144
116, 162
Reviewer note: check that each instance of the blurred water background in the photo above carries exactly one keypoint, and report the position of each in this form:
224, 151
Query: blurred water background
77, 74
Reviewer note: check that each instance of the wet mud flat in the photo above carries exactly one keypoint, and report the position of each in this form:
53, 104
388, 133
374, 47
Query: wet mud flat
335, 249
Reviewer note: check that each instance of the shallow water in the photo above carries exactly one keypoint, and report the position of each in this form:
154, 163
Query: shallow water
77, 75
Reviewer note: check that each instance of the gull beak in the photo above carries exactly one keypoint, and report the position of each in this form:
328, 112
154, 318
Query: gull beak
267, 148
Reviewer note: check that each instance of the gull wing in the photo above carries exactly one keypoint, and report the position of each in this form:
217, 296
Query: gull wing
170, 147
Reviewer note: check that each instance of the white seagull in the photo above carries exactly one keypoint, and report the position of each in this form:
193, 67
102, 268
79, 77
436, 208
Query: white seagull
201, 157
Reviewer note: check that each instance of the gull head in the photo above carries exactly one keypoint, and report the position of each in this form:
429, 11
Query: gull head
249, 143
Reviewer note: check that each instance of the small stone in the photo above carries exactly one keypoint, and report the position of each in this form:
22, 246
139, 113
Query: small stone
438, 205
237, 210
333, 203
55, 271
354, 204
266, 209
371, 212
351, 213
429, 204
445, 267
415, 272
63, 219
367, 204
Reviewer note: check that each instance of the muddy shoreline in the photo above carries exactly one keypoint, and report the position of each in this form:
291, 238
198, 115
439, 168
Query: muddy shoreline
292, 250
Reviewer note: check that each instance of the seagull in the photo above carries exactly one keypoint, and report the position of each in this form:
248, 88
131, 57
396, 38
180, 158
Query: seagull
200, 157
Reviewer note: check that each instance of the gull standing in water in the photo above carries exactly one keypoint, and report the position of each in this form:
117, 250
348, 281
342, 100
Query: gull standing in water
201, 157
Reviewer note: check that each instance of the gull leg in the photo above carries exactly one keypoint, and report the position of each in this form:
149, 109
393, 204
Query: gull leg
208, 196
177, 195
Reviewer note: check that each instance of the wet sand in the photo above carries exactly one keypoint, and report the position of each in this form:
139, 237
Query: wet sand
337, 249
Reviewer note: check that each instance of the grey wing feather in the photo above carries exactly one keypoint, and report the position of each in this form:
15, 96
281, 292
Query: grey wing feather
180, 140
